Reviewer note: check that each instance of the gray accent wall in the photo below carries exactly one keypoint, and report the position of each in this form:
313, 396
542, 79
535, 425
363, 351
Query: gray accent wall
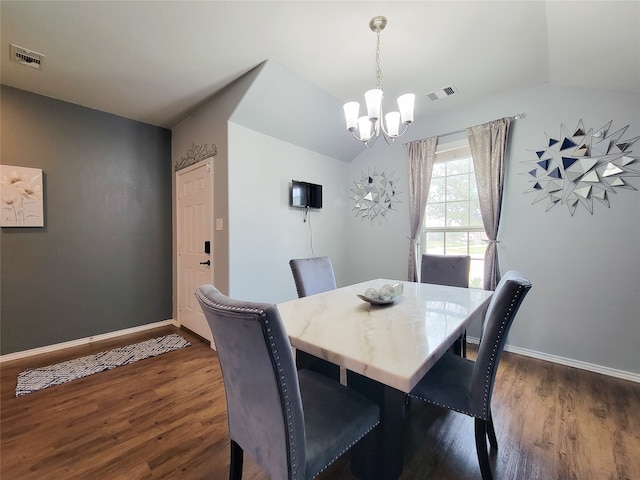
103, 261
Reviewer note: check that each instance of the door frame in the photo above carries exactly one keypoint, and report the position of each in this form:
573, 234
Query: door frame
209, 161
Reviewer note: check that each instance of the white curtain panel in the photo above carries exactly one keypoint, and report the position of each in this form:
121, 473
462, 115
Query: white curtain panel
488, 144
422, 154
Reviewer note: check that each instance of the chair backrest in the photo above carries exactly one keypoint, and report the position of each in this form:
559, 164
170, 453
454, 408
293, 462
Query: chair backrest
505, 302
312, 275
264, 406
452, 270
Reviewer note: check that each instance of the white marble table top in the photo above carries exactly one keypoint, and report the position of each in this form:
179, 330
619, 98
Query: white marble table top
393, 344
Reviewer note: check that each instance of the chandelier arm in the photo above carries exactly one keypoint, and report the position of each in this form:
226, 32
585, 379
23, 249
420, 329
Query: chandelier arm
376, 133
369, 143
381, 128
353, 132
406, 127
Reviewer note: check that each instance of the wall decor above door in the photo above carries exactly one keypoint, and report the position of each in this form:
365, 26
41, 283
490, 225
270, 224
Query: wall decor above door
195, 154
576, 168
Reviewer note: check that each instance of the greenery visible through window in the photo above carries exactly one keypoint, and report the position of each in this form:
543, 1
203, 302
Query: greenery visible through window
453, 222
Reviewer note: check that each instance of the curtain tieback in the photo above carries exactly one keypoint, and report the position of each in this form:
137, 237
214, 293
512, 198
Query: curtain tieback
412, 241
490, 242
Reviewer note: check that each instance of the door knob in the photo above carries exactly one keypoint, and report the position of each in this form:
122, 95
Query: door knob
208, 262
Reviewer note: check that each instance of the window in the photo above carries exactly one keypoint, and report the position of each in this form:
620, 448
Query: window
453, 223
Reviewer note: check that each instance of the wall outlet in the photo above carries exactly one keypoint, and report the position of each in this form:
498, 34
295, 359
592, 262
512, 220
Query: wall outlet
219, 224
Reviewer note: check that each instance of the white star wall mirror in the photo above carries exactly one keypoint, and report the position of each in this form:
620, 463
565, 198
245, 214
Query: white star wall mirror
375, 196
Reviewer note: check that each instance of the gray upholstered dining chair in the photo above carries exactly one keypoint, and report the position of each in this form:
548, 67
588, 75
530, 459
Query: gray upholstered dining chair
314, 275
293, 424
452, 270
466, 386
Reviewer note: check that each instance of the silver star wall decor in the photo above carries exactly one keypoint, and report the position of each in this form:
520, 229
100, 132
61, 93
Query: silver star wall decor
374, 195
576, 168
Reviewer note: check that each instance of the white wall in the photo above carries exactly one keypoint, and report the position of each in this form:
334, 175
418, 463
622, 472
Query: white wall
585, 269
264, 231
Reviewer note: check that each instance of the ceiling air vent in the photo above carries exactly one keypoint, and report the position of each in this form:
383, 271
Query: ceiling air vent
27, 57
442, 92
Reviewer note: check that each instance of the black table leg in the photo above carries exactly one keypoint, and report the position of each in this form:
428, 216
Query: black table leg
381, 458
459, 348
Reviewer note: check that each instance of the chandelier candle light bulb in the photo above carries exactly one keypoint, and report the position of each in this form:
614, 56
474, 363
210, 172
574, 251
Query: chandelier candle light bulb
351, 110
393, 123
373, 98
405, 104
364, 125
371, 129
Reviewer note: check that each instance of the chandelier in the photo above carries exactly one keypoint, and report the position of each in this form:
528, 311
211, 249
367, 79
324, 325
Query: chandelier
368, 128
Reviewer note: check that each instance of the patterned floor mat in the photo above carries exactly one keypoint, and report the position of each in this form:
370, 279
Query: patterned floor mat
33, 380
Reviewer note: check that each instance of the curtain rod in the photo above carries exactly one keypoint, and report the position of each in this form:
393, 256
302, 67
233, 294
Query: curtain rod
455, 132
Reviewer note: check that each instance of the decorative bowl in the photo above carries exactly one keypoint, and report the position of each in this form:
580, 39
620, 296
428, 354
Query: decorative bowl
384, 296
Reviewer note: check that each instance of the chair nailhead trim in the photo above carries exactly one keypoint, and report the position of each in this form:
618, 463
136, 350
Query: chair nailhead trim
229, 308
413, 395
345, 450
285, 398
486, 407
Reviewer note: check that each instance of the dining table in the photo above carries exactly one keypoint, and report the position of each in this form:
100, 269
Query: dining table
384, 348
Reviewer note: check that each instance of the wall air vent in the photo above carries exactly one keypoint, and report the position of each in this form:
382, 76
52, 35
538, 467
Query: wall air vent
27, 57
442, 92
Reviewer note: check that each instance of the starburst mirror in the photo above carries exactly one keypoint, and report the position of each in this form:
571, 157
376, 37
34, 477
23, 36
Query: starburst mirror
375, 195
576, 168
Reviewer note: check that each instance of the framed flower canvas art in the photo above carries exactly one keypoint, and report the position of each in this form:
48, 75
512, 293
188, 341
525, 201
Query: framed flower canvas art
21, 197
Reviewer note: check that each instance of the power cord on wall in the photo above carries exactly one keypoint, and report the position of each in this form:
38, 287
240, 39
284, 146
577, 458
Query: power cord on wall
307, 216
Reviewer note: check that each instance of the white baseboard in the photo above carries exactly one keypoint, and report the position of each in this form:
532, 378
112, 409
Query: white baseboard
84, 341
592, 367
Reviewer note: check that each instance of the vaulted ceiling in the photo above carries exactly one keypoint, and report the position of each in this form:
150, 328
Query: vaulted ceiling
156, 61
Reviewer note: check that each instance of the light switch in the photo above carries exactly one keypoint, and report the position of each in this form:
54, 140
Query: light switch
218, 224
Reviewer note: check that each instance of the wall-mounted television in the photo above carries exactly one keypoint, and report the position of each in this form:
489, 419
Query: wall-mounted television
305, 195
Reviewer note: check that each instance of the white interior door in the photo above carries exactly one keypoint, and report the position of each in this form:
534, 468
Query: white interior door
194, 187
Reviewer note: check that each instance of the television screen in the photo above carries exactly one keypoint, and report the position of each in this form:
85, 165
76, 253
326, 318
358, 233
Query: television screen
305, 194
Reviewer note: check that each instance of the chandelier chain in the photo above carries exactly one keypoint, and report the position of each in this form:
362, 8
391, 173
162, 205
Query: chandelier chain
377, 60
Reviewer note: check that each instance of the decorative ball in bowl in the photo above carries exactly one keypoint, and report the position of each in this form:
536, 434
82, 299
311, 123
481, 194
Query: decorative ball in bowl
384, 295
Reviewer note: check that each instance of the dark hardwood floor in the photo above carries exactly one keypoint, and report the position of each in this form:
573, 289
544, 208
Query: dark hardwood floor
165, 417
